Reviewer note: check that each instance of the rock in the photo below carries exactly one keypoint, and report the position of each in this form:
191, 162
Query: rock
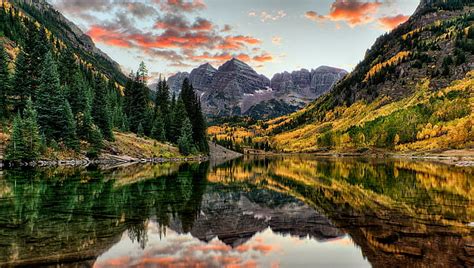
201, 77
175, 82
237, 89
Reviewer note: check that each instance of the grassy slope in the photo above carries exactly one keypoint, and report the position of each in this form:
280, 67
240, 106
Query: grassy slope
125, 144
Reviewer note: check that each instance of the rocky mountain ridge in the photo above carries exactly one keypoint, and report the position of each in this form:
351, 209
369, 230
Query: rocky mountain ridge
237, 89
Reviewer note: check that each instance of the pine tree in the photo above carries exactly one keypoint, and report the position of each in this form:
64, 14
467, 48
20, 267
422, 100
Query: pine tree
76, 93
185, 140
100, 112
31, 131
96, 142
140, 131
158, 131
25, 140
162, 104
193, 109
4, 84
70, 136
178, 117
50, 100
16, 147
22, 83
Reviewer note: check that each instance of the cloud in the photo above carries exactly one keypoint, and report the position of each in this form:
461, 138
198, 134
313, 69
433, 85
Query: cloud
140, 10
173, 22
263, 58
391, 22
268, 16
226, 28
276, 40
352, 12
181, 5
314, 16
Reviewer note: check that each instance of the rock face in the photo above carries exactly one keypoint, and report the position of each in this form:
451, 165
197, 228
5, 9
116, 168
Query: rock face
175, 82
310, 84
237, 89
201, 77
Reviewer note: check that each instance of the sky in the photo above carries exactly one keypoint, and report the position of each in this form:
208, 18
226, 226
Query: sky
272, 36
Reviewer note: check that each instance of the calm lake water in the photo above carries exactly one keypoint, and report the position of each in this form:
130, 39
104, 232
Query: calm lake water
270, 212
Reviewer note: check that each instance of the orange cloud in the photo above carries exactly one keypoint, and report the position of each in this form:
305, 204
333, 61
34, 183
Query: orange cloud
108, 37
263, 58
390, 23
353, 12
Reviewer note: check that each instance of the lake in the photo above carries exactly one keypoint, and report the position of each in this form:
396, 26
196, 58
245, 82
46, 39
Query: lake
282, 211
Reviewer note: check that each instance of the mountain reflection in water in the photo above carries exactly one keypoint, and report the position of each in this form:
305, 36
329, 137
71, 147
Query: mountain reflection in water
280, 211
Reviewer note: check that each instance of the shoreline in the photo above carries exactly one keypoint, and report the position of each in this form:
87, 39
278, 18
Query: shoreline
460, 158
112, 161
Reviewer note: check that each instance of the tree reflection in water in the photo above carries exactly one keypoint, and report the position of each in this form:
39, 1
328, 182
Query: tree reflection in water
400, 213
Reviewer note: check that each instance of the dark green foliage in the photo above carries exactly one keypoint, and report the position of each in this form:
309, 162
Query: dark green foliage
25, 140
185, 140
22, 87
4, 84
140, 130
193, 109
50, 101
70, 136
100, 112
136, 100
447, 61
158, 131
163, 106
96, 142
177, 120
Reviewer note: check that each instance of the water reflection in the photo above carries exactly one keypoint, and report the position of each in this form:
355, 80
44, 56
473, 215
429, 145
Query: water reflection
280, 211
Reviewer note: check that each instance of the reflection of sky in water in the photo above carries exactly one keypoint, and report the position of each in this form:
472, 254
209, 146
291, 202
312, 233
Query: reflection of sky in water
265, 249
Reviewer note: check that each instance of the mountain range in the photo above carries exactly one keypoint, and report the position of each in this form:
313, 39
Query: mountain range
235, 89
413, 91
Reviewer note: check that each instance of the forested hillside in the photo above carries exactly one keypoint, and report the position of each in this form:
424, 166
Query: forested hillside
57, 97
413, 91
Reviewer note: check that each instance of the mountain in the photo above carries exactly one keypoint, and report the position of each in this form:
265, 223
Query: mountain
71, 35
236, 89
412, 91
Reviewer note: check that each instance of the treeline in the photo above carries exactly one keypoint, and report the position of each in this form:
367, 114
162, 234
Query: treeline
247, 142
56, 101
175, 119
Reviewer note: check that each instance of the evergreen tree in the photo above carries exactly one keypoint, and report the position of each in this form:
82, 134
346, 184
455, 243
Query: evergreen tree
31, 131
185, 140
100, 112
50, 101
22, 83
70, 136
25, 140
162, 105
96, 142
77, 92
140, 131
158, 131
4, 84
193, 109
178, 117
16, 148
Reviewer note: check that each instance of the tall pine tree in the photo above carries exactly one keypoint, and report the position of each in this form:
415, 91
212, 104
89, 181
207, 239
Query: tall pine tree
50, 101
25, 139
4, 84
193, 109
100, 113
